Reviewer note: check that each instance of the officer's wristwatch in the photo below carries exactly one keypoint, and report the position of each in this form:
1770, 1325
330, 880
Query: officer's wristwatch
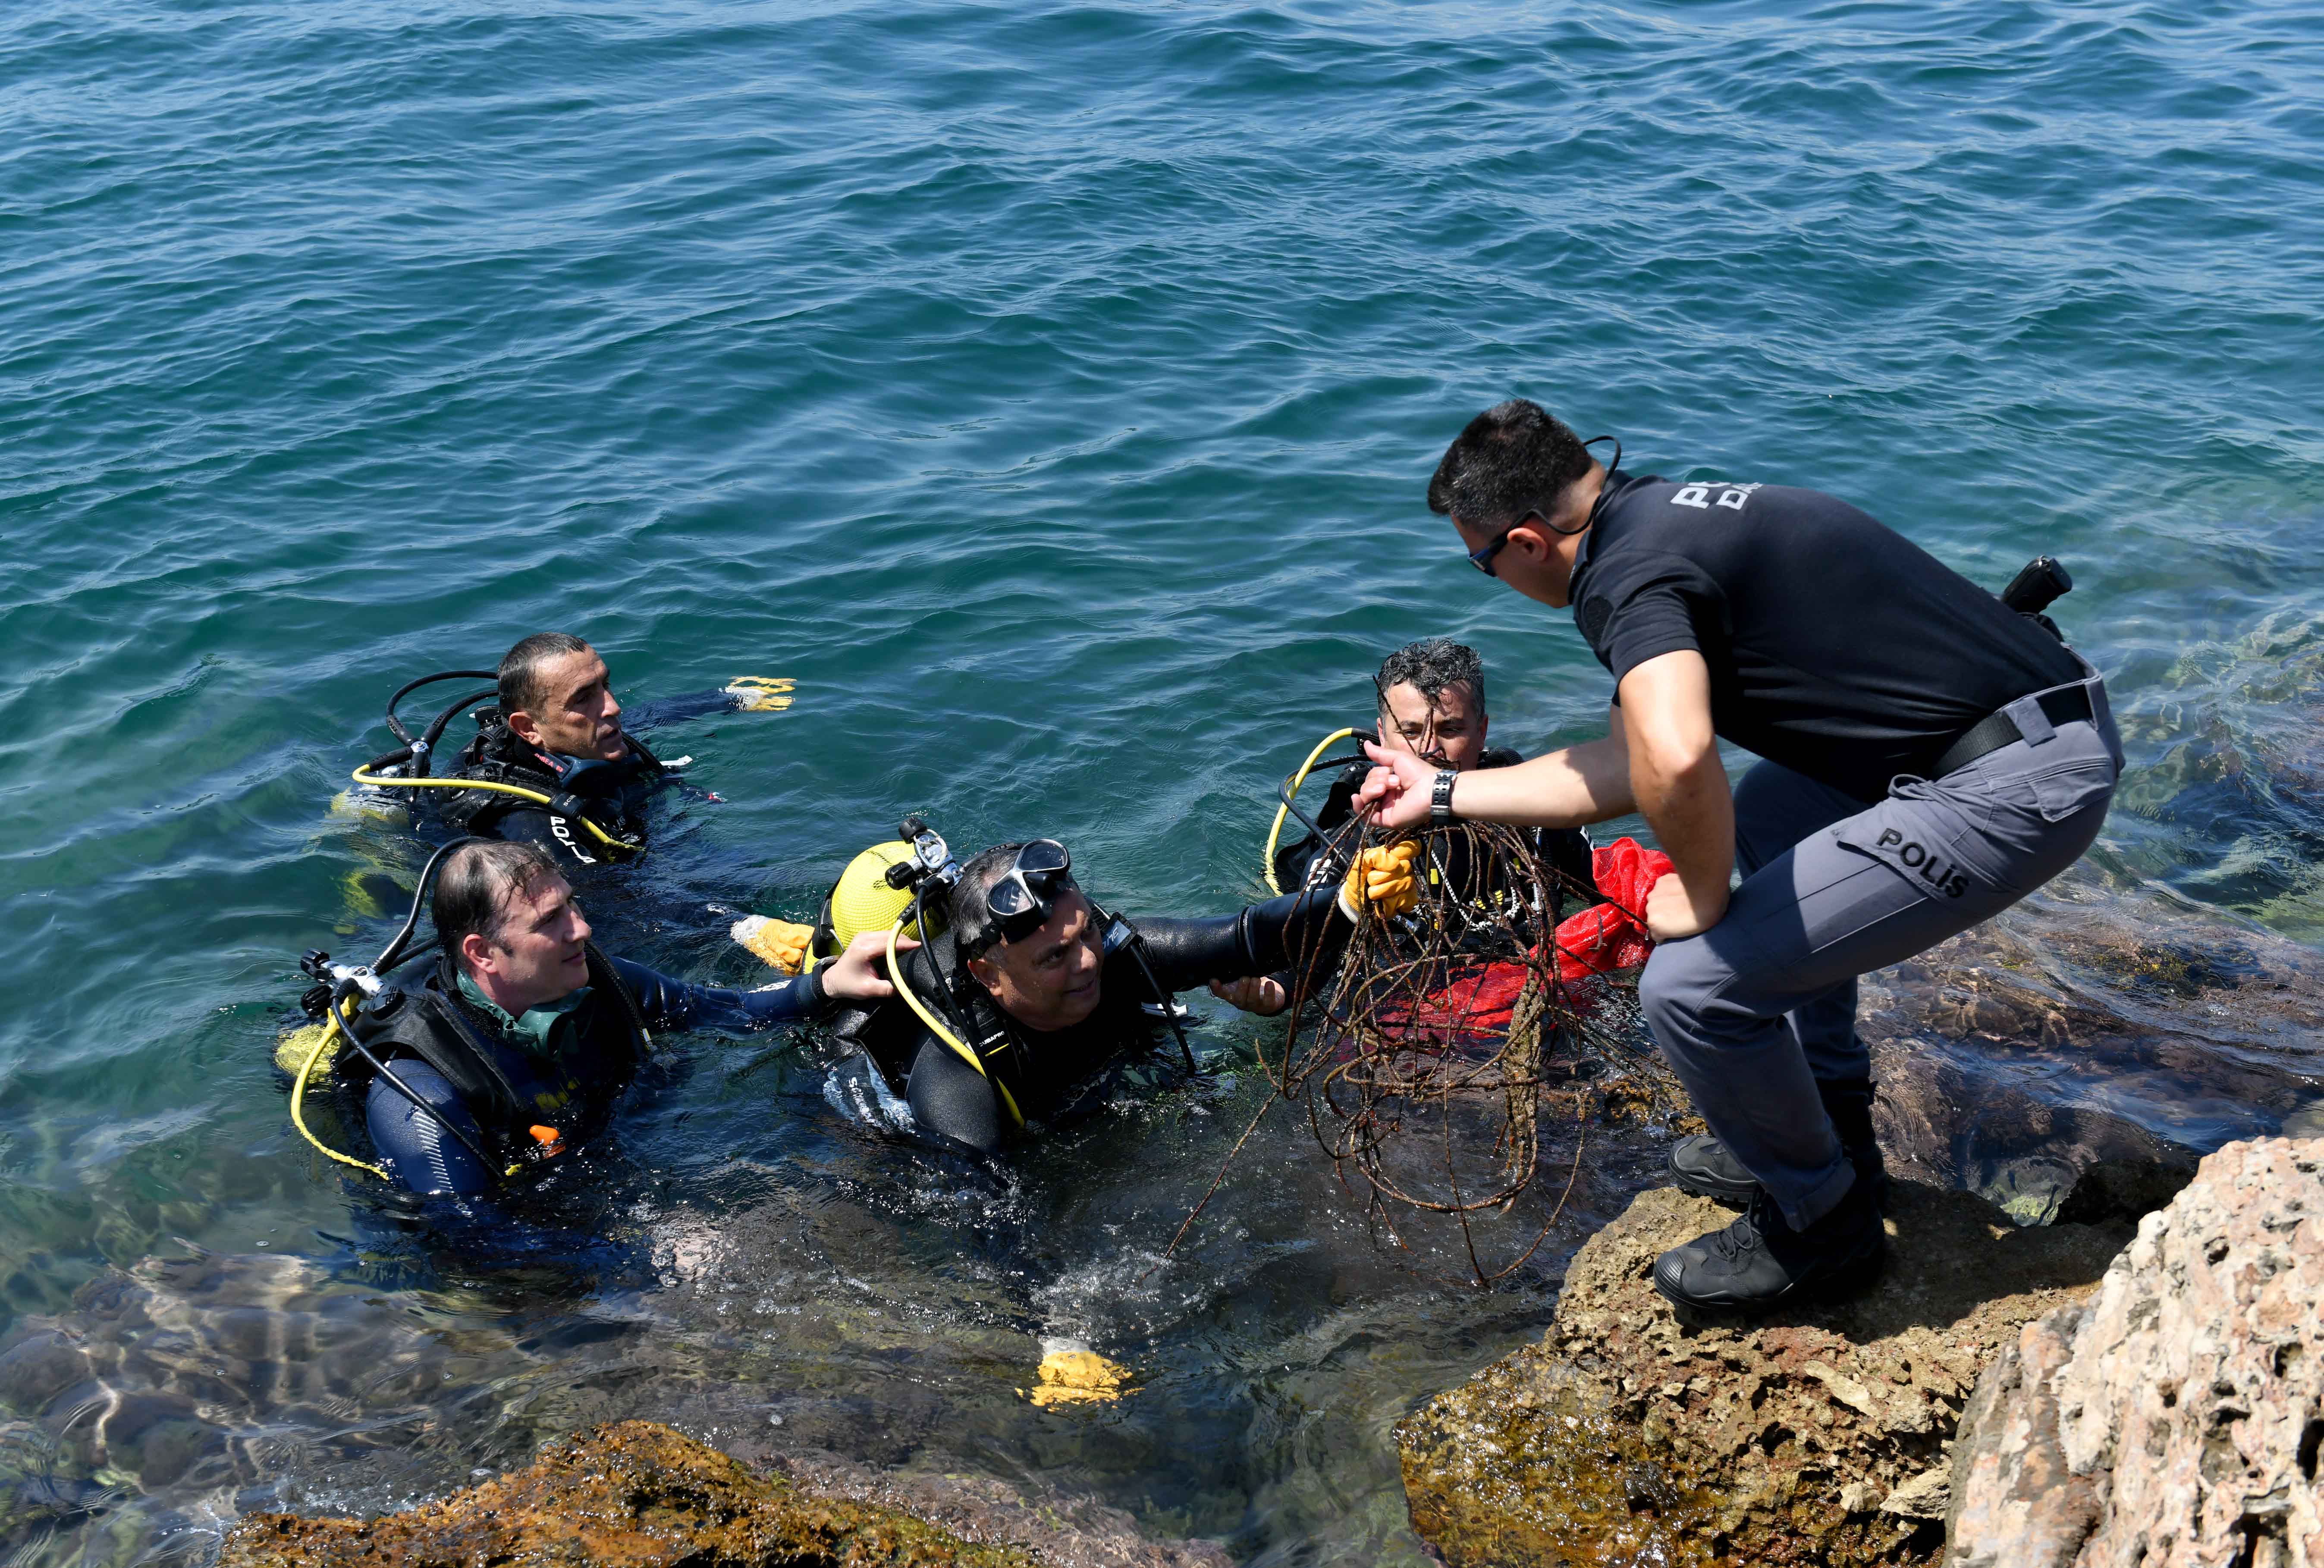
1440, 799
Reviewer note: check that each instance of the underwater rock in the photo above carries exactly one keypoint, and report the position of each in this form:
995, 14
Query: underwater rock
630, 1495
1817, 1436
2175, 1418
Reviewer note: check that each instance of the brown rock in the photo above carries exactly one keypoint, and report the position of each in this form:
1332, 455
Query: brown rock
2176, 1419
1629, 1437
632, 1495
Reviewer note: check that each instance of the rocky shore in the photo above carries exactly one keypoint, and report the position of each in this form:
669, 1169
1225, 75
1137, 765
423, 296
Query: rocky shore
2082, 1393
637, 1494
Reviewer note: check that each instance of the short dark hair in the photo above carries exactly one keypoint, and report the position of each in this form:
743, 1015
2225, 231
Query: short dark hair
519, 671
1511, 459
477, 884
1431, 665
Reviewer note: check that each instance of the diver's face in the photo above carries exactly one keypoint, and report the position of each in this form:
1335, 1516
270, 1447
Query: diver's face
1049, 979
539, 953
579, 716
1451, 734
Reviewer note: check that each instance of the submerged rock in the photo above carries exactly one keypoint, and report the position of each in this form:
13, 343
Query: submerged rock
1626, 1436
2176, 1418
630, 1495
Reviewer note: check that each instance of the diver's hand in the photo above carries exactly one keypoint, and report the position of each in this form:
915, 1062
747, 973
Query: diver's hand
1260, 993
1381, 877
1396, 793
854, 975
1672, 914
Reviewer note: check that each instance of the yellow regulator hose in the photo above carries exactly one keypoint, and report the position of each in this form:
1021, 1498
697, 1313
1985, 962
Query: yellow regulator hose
298, 1096
1283, 810
966, 1052
365, 775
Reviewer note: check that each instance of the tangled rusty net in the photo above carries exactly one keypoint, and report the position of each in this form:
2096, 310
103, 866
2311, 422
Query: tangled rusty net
1429, 1050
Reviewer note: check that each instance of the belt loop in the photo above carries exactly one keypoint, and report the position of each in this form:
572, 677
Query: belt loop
2031, 722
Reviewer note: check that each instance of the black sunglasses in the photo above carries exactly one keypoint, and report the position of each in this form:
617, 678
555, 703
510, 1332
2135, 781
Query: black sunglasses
1482, 559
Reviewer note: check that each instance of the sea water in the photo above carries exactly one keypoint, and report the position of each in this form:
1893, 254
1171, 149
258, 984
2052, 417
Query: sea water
1048, 391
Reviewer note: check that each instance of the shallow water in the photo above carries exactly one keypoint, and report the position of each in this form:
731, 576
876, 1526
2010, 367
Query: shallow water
1049, 391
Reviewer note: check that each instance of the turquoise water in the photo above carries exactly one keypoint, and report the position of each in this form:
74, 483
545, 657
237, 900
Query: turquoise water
1049, 389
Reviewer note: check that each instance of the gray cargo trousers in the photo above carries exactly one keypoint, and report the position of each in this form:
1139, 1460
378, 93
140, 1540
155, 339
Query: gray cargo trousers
1754, 1011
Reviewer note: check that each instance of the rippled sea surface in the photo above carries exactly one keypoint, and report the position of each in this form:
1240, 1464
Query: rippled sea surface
1049, 390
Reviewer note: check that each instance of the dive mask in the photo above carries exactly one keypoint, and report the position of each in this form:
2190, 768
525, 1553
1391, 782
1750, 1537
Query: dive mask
1026, 895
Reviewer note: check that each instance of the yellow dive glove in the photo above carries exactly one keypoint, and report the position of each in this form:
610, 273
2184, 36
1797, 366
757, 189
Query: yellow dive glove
781, 942
1381, 877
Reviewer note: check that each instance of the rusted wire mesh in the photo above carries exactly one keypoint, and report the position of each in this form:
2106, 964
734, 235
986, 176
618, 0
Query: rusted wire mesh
1429, 1049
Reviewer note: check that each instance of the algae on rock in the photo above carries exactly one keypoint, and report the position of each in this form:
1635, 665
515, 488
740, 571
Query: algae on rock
634, 1494
1818, 1436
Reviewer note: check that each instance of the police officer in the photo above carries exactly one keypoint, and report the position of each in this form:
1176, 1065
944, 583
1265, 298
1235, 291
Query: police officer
1929, 757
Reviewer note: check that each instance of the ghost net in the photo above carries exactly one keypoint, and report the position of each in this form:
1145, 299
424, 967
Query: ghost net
1427, 1051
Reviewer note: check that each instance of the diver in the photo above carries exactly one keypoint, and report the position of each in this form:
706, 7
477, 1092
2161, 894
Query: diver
1019, 1009
519, 1042
552, 761
1431, 700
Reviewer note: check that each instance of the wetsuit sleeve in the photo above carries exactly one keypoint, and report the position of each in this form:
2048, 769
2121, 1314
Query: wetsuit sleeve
953, 1104
414, 1145
1282, 933
673, 1004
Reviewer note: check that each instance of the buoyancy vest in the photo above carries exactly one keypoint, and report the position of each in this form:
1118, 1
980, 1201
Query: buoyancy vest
508, 1090
1039, 1068
612, 794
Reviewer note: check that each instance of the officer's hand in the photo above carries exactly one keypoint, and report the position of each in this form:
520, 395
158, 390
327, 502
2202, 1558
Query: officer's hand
855, 974
1396, 793
1381, 877
1672, 914
1260, 993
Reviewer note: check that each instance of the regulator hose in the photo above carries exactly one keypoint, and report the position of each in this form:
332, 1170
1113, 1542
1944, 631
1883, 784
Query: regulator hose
966, 1052
363, 775
1291, 788
395, 724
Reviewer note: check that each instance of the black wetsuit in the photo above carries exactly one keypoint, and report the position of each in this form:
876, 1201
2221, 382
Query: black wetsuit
612, 793
1053, 1076
1313, 861
494, 1086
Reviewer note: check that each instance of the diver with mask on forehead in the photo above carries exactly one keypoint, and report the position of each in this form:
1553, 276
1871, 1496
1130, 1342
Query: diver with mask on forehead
1016, 1008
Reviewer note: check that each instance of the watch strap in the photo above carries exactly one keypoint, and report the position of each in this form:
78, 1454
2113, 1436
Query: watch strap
1440, 799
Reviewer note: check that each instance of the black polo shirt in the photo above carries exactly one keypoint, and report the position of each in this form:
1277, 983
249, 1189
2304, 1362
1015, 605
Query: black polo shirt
1837, 647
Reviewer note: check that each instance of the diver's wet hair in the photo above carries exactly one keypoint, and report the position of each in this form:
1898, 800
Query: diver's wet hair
478, 882
1429, 666
1511, 459
520, 667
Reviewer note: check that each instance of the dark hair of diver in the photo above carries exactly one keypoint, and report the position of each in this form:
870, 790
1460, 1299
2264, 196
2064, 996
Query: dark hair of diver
520, 673
1512, 458
975, 929
1429, 666
478, 882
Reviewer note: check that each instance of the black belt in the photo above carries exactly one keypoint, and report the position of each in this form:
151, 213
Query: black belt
2066, 704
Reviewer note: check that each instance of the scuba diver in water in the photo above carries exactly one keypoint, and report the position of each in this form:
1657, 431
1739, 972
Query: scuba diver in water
552, 762
1431, 704
519, 1043
1013, 1011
